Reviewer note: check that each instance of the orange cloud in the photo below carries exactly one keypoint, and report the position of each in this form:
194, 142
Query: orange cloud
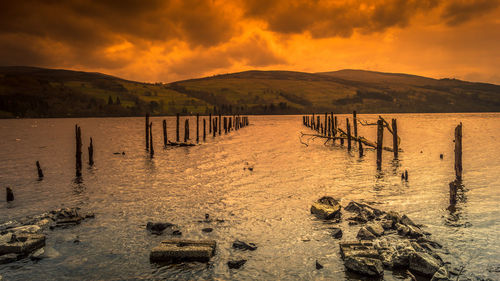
170, 40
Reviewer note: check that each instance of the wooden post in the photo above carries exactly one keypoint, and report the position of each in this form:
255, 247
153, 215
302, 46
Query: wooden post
91, 153
165, 137
210, 123
214, 129
360, 149
186, 130
151, 149
147, 131
78, 158
204, 129
177, 129
355, 123
220, 124
324, 126
453, 192
348, 127
331, 127
225, 125
197, 127
458, 152
9, 194
317, 123
313, 125
321, 128
39, 169
395, 145
380, 138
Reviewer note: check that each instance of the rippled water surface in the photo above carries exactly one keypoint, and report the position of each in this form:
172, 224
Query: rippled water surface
268, 206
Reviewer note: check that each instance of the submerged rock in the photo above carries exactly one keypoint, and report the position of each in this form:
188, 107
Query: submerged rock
207, 229
244, 246
424, 264
236, 264
24, 243
376, 229
318, 265
326, 208
159, 228
8, 258
364, 234
441, 275
337, 232
365, 266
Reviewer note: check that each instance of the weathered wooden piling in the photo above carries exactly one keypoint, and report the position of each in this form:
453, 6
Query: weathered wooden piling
186, 130
360, 148
355, 123
151, 149
147, 131
214, 125
197, 127
335, 126
453, 192
313, 125
78, 156
348, 130
9, 194
458, 152
225, 125
395, 145
210, 123
230, 124
220, 124
380, 138
177, 128
91, 152
204, 129
331, 126
165, 137
39, 169
325, 124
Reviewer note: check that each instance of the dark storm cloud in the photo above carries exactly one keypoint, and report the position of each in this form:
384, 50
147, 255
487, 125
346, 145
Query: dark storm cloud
335, 18
457, 12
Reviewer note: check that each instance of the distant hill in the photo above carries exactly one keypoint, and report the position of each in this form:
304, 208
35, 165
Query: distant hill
39, 92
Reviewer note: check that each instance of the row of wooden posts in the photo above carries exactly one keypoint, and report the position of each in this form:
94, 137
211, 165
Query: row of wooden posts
215, 125
329, 128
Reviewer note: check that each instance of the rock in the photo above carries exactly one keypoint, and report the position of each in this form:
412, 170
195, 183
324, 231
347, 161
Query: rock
38, 254
367, 211
326, 208
44, 223
387, 224
406, 221
434, 244
403, 230
365, 266
337, 232
236, 264
25, 229
89, 215
393, 216
207, 229
9, 194
358, 249
441, 275
24, 243
414, 231
318, 265
181, 250
9, 224
423, 263
376, 229
244, 246
359, 218
8, 258
364, 234
159, 228
5, 238
417, 247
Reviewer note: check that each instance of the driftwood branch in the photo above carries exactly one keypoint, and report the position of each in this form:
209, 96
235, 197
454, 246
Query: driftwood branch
343, 135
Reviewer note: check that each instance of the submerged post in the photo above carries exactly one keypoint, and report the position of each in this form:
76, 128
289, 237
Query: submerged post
151, 149
380, 138
355, 123
147, 131
186, 130
204, 129
210, 123
39, 169
165, 138
395, 145
177, 129
78, 158
225, 125
197, 127
360, 149
220, 124
91, 153
9, 194
458, 152
348, 127
214, 129
325, 126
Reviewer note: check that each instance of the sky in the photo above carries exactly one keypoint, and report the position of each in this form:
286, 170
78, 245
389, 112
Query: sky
170, 40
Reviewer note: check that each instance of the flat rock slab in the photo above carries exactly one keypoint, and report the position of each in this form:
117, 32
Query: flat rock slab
358, 249
326, 208
182, 249
23, 244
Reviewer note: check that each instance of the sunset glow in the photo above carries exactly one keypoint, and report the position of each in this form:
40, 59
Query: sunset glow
173, 40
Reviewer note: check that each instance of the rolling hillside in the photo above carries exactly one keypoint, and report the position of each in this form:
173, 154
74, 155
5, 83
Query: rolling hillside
38, 92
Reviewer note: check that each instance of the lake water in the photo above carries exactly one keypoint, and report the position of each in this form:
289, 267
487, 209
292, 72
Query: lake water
268, 206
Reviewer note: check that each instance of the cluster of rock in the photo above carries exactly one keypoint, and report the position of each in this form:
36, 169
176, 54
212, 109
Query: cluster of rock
386, 240
25, 238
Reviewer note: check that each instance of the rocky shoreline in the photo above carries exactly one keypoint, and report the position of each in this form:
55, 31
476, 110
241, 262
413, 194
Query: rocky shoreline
385, 241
